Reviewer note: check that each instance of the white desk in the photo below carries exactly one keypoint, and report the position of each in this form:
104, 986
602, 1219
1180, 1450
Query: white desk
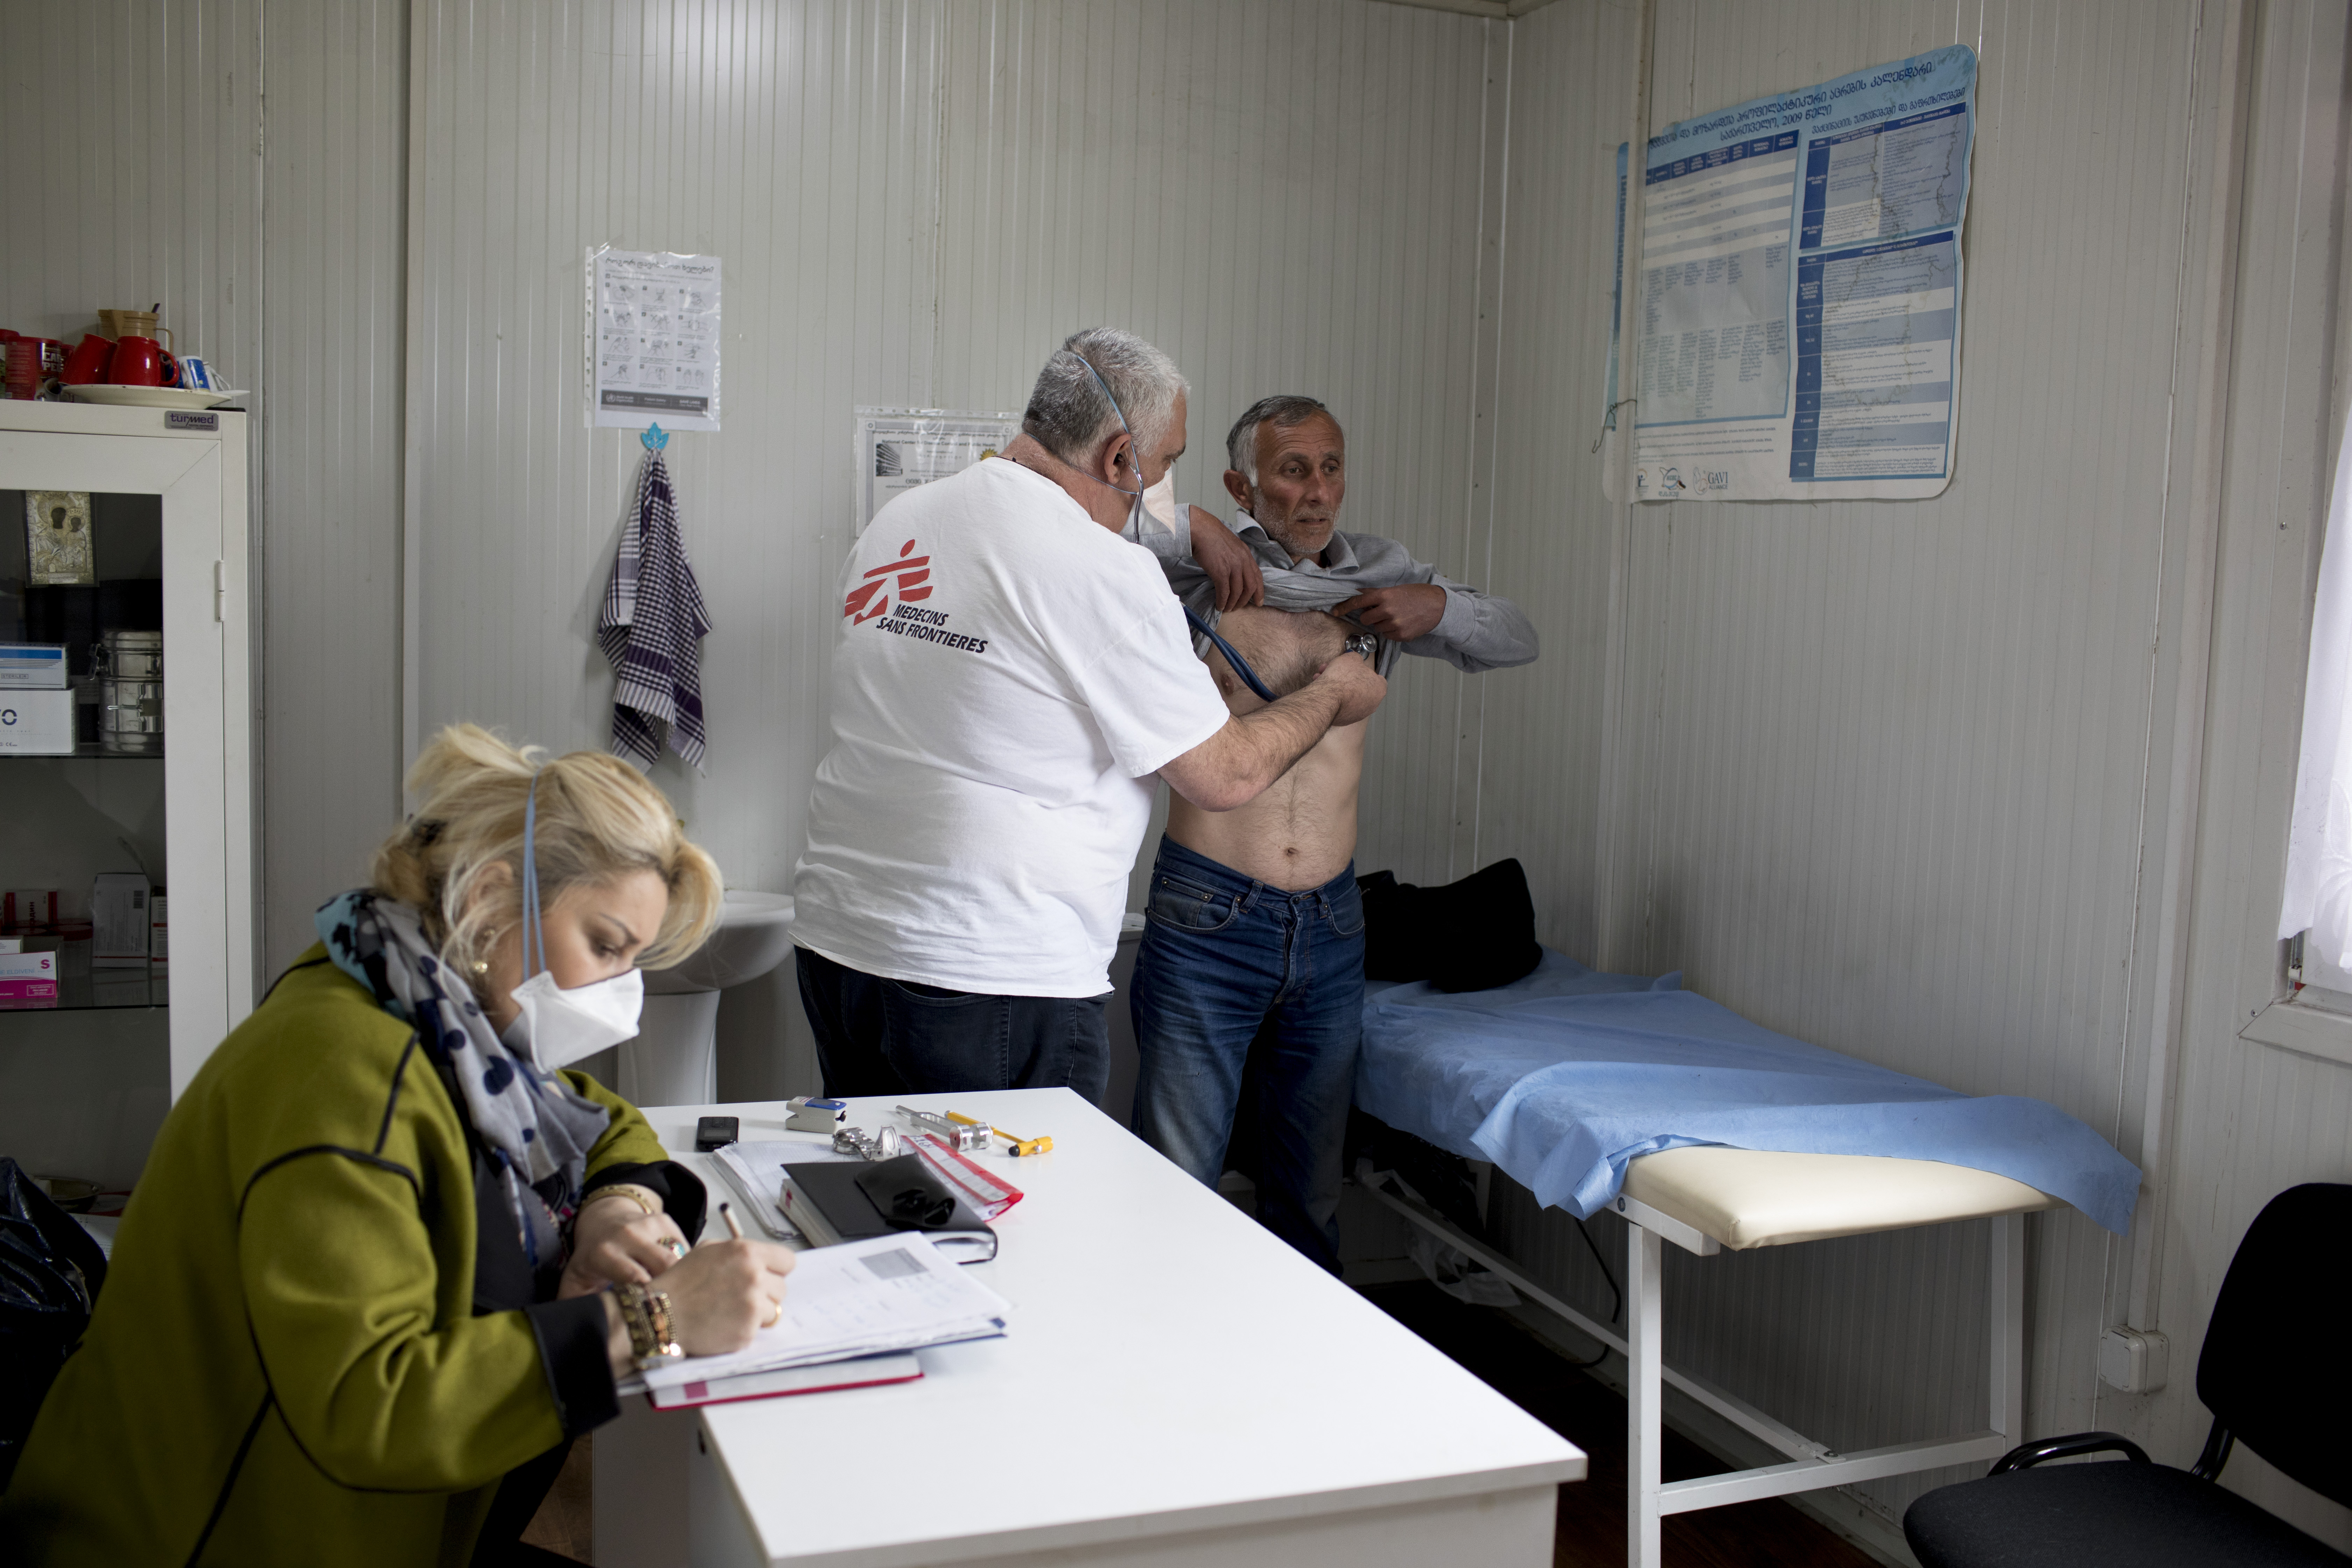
1178, 1387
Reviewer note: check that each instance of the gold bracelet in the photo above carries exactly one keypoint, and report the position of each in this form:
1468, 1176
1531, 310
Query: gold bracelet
644, 1198
646, 1313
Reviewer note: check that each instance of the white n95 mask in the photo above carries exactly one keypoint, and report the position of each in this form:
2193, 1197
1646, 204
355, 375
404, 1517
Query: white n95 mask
557, 1028
1157, 515
1159, 500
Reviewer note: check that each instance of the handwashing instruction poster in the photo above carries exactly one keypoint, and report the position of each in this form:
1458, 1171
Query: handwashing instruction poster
653, 320
1799, 308
898, 448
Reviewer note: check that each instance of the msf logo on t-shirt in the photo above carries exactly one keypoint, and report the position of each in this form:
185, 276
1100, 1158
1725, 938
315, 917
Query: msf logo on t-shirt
872, 597
871, 601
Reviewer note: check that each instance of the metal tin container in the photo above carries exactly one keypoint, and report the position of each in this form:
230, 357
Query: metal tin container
129, 669
131, 717
130, 656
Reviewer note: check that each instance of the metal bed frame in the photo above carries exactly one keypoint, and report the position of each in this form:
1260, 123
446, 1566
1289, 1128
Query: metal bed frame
1810, 1466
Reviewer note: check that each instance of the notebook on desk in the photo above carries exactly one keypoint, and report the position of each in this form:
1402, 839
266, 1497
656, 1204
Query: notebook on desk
894, 1292
864, 1372
832, 1203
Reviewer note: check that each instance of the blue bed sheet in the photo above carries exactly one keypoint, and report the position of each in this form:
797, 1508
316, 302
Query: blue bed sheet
1563, 1077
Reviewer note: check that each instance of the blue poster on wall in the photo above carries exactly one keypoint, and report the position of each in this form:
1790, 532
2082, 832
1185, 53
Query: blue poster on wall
1798, 322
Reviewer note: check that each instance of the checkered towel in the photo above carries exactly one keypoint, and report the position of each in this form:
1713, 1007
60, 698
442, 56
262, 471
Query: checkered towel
652, 628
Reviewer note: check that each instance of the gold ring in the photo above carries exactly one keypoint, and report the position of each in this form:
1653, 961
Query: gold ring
775, 1313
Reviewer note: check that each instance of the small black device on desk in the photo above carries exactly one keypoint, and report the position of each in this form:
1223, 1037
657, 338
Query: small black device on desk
715, 1132
850, 1200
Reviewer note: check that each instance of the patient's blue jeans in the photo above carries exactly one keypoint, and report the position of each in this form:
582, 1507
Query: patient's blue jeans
1224, 956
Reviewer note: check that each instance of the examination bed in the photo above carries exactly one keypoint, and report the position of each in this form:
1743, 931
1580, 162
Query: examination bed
1703, 1129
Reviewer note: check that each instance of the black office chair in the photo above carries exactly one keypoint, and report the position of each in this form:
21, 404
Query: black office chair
2265, 1374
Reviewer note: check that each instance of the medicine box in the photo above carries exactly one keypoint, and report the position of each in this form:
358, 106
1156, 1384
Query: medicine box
35, 723
29, 909
33, 664
117, 912
28, 977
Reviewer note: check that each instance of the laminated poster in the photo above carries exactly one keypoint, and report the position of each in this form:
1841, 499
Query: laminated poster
898, 448
1799, 308
652, 353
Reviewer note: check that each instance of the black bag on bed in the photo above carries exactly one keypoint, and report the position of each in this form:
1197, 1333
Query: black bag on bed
1470, 935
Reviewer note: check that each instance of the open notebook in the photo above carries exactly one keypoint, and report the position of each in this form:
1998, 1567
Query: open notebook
893, 1292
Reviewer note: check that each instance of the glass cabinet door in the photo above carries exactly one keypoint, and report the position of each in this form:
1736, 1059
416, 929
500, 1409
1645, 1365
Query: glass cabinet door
81, 586
116, 789
85, 825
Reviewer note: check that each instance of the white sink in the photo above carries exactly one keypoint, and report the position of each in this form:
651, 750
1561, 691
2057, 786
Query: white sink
674, 1060
754, 935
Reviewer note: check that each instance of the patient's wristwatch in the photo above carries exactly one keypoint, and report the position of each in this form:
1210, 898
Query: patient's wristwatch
1364, 643
646, 1313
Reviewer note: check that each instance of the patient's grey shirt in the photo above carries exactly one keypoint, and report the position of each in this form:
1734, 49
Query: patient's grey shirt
1478, 632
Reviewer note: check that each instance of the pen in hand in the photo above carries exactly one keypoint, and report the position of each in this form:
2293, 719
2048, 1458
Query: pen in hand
775, 1306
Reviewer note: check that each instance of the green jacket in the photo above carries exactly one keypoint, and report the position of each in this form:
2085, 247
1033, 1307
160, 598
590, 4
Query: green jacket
287, 1364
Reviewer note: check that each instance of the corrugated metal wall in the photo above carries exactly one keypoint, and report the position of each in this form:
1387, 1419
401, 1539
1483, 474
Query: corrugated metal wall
2254, 1119
132, 174
335, 192
796, 142
1572, 69
1286, 198
1894, 777
134, 170
914, 203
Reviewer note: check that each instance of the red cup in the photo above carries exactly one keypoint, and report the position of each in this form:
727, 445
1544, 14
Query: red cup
87, 365
140, 361
31, 364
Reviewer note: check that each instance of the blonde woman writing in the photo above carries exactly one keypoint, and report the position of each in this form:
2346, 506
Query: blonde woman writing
387, 1257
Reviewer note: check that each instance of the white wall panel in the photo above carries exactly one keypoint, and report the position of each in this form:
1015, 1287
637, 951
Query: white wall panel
1286, 198
335, 192
1539, 797
2252, 1119
1886, 767
915, 203
796, 142
136, 141
130, 144
1892, 777
131, 171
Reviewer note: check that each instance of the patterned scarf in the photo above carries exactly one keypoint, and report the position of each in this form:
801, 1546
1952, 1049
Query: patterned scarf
535, 1126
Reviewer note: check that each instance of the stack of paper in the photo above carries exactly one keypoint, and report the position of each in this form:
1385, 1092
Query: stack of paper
888, 1293
756, 1171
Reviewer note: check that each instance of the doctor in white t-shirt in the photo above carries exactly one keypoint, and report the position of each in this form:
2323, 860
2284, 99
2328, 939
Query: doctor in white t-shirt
1010, 682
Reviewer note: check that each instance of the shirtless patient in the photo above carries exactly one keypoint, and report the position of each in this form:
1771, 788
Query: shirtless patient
1254, 927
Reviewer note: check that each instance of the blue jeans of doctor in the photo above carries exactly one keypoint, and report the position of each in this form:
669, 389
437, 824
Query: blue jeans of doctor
1224, 956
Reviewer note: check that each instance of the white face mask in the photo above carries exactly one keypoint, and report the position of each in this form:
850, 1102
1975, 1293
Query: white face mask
557, 1028
1159, 500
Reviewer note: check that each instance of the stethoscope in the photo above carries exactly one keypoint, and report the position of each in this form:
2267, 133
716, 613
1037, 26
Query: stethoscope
1241, 665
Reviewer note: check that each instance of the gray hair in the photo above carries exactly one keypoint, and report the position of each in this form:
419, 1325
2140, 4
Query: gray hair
1069, 414
1284, 411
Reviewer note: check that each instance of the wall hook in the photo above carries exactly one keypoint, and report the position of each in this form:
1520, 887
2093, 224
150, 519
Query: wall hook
655, 437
